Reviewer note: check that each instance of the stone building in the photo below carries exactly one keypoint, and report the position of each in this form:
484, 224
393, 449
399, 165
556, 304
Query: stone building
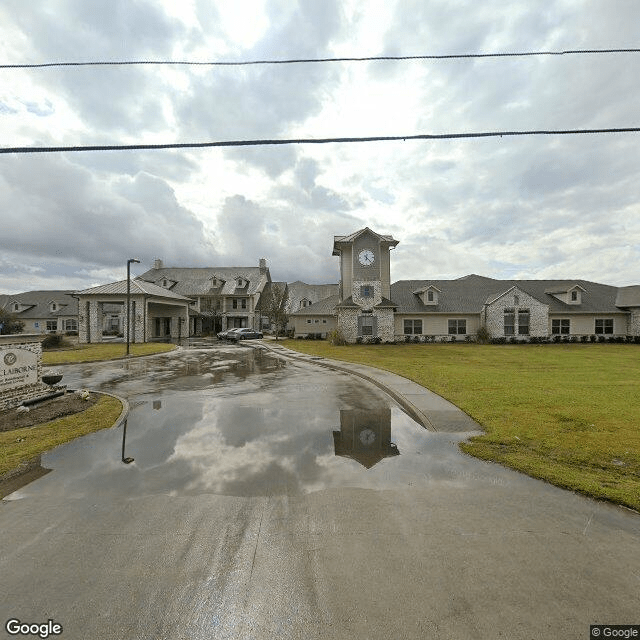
222, 297
367, 307
43, 311
156, 314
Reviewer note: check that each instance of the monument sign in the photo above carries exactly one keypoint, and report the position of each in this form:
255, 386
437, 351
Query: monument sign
20, 369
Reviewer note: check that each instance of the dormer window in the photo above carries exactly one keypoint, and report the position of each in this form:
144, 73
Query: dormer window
164, 283
574, 296
429, 295
16, 307
54, 306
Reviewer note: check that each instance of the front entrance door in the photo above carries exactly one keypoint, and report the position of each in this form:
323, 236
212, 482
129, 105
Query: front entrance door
163, 327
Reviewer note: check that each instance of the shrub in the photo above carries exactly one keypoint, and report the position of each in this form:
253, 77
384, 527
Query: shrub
483, 336
499, 340
52, 341
336, 338
359, 340
593, 338
601, 339
376, 340
584, 339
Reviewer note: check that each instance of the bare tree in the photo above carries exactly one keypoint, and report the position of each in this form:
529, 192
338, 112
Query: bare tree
272, 303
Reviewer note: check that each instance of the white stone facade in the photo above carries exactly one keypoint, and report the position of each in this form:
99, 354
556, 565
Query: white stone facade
518, 300
367, 302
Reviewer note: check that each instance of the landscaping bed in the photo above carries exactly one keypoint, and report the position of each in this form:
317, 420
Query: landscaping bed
45, 411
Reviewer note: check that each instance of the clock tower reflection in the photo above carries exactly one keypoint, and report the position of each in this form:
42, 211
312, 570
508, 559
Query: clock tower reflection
365, 436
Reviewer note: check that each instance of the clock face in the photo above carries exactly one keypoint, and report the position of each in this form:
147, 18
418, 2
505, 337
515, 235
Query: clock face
367, 436
366, 257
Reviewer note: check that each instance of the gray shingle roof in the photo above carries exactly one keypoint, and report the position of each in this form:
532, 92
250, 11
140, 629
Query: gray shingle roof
299, 291
628, 296
39, 302
194, 281
469, 293
137, 287
326, 307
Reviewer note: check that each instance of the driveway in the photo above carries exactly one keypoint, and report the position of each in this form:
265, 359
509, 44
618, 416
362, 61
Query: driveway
273, 498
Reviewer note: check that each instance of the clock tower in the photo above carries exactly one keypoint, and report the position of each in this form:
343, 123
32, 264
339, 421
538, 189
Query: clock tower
364, 310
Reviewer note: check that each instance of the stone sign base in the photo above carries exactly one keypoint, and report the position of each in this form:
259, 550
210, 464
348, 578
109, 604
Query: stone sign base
20, 369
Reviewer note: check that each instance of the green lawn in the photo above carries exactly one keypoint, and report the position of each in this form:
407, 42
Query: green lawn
21, 445
569, 414
102, 351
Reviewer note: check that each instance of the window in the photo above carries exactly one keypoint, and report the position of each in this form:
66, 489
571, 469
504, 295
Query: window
516, 299
366, 325
430, 296
16, 306
71, 324
52, 325
457, 327
560, 326
509, 322
234, 303
413, 326
308, 320
366, 291
523, 322
244, 303
604, 325
317, 321
54, 306
324, 321
574, 296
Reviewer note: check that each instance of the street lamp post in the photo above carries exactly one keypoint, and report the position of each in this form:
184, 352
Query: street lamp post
129, 261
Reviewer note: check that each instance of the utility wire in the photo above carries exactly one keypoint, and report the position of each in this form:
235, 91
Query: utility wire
284, 141
454, 56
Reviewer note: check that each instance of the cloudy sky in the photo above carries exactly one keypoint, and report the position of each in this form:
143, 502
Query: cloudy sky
525, 207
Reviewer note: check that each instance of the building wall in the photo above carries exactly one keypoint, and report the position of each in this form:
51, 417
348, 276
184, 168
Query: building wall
633, 325
302, 325
367, 303
437, 325
586, 324
538, 313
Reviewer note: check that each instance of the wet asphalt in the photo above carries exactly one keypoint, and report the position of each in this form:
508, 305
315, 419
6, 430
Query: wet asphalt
269, 497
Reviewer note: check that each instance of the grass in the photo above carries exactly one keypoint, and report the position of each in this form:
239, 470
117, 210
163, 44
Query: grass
21, 445
101, 351
569, 414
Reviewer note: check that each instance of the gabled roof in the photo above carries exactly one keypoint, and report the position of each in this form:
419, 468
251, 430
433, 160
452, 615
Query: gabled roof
195, 281
312, 292
628, 296
356, 234
470, 293
39, 303
137, 287
326, 307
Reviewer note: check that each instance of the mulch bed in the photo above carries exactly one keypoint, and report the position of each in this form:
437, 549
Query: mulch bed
46, 411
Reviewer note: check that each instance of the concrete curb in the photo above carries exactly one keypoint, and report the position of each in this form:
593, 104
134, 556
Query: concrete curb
406, 404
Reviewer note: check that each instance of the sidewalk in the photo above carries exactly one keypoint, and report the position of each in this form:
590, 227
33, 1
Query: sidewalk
427, 408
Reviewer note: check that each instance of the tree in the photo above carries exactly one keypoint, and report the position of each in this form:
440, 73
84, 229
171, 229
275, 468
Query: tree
272, 303
9, 323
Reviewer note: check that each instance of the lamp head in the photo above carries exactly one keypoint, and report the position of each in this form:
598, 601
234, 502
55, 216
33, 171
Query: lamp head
133, 260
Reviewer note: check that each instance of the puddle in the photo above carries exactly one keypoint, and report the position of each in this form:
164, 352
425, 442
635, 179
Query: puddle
236, 421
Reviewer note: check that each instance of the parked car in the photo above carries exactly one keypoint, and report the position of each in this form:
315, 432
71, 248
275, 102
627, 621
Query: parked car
244, 334
226, 335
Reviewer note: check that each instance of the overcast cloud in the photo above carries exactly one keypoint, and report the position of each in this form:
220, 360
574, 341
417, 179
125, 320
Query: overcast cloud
544, 207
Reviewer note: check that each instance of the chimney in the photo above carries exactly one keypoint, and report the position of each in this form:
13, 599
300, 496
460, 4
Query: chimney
157, 264
263, 266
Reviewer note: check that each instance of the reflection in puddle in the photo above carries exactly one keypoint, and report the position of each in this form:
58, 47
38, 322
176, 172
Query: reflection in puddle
260, 430
365, 436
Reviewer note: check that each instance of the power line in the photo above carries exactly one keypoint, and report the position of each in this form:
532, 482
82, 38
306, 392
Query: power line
286, 141
232, 63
